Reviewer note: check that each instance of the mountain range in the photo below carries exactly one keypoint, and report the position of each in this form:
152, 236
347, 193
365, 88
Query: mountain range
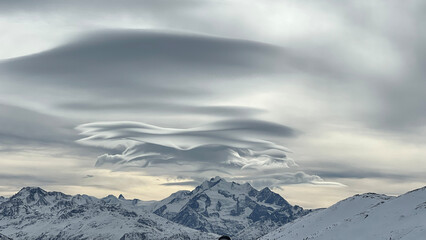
34, 213
213, 208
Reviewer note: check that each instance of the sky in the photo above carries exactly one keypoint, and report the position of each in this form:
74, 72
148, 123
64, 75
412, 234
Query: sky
319, 100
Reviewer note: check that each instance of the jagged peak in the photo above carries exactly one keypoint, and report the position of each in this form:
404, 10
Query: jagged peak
110, 196
207, 184
110, 199
83, 199
30, 191
266, 189
216, 179
266, 195
247, 184
32, 195
82, 196
121, 197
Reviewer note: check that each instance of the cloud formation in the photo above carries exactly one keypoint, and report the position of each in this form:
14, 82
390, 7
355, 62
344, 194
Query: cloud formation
23, 127
151, 72
128, 69
319, 67
120, 59
236, 143
161, 108
228, 148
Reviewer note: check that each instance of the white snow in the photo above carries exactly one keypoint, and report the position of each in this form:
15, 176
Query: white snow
81, 216
36, 214
217, 202
366, 216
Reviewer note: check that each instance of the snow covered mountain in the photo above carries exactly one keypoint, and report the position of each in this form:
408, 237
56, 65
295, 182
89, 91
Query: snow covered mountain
216, 206
222, 207
33, 213
366, 216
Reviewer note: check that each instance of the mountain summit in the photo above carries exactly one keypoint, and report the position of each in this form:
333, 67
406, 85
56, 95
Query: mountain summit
34, 213
223, 207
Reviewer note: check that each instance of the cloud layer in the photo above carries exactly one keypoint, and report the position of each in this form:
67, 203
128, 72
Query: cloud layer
229, 148
142, 71
349, 75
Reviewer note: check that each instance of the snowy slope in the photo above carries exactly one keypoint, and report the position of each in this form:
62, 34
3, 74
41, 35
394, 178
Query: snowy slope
33, 213
229, 208
3, 237
366, 216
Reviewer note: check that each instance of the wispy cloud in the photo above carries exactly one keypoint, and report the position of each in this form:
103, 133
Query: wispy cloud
228, 147
235, 143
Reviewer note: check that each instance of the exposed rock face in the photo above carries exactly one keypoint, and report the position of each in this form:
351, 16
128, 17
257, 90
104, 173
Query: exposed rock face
34, 213
214, 207
222, 207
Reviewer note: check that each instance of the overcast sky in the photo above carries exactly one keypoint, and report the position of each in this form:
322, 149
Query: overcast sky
317, 99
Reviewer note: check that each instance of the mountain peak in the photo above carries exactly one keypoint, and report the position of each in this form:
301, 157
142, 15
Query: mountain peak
225, 207
33, 195
268, 196
216, 179
266, 190
110, 199
31, 190
208, 184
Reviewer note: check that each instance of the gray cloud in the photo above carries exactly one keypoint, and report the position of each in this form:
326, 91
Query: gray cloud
245, 133
362, 173
24, 179
335, 170
99, 5
261, 179
22, 129
20, 126
153, 72
152, 61
285, 178
229, 147
184, 183
163, 108
158, 72
165, 72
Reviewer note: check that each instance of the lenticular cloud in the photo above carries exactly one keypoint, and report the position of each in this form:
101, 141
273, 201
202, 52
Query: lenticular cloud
235, 143
231, 147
